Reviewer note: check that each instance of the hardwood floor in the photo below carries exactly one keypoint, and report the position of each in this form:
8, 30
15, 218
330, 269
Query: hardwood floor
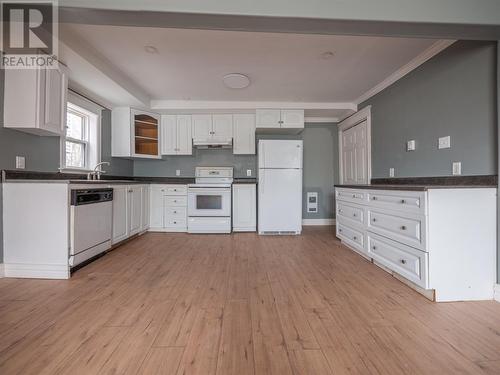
239, 304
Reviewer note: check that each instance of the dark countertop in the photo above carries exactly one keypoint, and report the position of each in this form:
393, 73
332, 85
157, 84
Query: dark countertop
426, 183
244, 180
75, 178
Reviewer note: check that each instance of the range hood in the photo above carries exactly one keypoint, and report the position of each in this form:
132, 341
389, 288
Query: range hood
213, 143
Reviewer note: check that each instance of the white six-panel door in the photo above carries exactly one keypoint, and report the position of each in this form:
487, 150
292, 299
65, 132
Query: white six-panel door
354, 154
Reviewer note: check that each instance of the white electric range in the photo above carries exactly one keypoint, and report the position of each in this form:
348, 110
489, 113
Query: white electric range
209, 200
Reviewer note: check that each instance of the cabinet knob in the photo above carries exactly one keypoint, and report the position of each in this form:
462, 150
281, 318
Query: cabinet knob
355, 238
175, 222
403, 261
374, 247
340, 230
175, 212
374, 198
403, 201
374, 220
162, 189
354, 215
354, 195
403, 227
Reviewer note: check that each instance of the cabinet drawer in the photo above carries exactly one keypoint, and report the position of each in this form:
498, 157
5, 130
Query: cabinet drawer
404, 260
349, 195
351, 236
409, 201
175, 223
176, 212
175, 201
176, 190
351, 213
405, 228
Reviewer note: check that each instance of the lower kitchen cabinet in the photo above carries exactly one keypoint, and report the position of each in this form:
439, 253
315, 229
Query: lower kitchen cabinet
244, 207
168, 208
130, 211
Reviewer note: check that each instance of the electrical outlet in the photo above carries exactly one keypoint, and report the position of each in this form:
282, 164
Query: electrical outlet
20, 162
177, 172
457, 168
444, 142
249, 173
411, 145
391, 172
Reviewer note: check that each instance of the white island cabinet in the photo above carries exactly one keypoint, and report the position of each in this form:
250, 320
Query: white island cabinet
440, 241
244, 207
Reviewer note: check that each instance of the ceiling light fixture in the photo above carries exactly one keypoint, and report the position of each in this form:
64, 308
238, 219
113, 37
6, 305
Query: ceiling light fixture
151, 49
236, 81
327, 55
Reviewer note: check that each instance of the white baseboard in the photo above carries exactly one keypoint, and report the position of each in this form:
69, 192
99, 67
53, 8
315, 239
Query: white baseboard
1, 271
318, 221
496, 294
36, 271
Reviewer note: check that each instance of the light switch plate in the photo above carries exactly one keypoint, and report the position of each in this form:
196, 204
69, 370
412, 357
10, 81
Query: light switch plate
177, 172
20, 162
457, 168
391, 172
411, 145
249, 173
444, 142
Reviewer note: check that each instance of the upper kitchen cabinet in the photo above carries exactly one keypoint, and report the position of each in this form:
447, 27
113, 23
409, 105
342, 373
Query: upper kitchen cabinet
135, 133
212, 130
176, 135
280, 120
35, 100
244, 134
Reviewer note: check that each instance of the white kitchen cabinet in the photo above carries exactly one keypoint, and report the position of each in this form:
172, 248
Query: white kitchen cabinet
212, 127
441, 241
145, 193
222, 126
202, 126
280, 120
135, 209
135, 133
35, 100
120, 213
244, 207
176, 135
168, 208
292, 118
244, 134
268, 118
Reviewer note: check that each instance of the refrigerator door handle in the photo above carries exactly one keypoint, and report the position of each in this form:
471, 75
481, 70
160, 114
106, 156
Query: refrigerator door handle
261, 182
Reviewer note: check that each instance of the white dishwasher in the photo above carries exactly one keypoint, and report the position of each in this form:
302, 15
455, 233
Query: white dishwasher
90, 223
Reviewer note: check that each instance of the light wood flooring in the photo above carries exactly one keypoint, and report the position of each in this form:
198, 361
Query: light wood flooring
239, 304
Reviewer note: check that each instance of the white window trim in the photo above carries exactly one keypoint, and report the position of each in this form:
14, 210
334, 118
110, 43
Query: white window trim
353, 120
93, 110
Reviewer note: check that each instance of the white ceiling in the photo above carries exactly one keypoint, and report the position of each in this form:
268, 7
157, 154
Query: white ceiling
190, 64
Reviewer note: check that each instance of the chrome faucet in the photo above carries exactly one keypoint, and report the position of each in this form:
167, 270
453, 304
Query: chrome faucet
96, 173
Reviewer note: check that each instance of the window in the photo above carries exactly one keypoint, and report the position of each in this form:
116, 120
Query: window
76, 138
80, 146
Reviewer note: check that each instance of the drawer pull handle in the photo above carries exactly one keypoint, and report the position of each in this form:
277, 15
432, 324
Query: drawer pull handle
403, 227
403, 201
403, 261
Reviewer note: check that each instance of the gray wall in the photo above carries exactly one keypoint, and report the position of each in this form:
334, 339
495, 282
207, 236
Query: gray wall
452, 94
320, 164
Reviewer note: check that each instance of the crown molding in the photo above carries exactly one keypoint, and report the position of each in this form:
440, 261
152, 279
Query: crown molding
430, 52
227, 105
320, 120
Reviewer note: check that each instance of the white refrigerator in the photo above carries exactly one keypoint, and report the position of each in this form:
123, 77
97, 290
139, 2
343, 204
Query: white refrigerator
280, 186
